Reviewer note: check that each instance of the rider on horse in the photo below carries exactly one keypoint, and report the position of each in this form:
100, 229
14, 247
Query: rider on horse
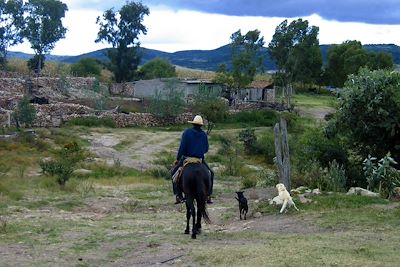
194, 144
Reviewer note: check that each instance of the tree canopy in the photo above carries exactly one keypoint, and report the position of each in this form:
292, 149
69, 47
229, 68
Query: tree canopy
246, 60
295, 50
121, 29
44, 26
369, 112
157, 68
11, 26
347, 58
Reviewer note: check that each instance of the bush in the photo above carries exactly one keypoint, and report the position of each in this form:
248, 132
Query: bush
254, 118
265, 146
25, 112
336, 177
86, 67
92, 121
169, 105
381, 177
249, 181
249, 139
63, 165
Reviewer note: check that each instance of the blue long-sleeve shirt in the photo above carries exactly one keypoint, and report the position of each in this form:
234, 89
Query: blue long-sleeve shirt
194, 143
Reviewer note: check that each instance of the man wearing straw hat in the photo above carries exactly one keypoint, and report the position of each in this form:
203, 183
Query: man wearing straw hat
194, 144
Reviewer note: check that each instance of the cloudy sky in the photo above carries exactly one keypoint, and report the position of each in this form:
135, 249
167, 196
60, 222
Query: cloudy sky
175, 25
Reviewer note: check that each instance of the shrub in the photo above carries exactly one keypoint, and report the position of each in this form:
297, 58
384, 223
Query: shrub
254, 118
381, 177
231, 152
265, 146
336, 178
25, 112
169, 105
314, 175
86, 67
63, 165
249, 181
249, 139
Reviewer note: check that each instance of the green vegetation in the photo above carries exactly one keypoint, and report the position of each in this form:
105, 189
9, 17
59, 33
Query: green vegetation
121, 29
25, 113
43, 28
86, 67
157, 68
11, 17
169, 104
246, 60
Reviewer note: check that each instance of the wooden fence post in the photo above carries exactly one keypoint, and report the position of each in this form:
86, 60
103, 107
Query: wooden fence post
282, 152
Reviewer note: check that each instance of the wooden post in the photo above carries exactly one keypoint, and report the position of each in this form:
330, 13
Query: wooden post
282, 152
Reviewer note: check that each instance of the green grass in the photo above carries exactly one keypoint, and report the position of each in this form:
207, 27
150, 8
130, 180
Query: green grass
312, 101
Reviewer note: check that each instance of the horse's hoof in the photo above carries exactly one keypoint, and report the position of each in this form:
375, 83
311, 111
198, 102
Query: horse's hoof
186, 232
198, 231
193, 236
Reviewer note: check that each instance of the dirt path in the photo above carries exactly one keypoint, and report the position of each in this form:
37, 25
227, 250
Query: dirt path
137, 149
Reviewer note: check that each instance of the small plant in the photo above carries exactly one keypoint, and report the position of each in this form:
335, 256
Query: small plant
231, 151
249, 181
85, 188
268, 177
336, 177
3, 225
167, 105
130, 205
63, 85
249, 139
381, 176
63, 166
25, 113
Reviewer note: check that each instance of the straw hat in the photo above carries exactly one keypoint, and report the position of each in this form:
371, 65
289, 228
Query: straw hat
198, 120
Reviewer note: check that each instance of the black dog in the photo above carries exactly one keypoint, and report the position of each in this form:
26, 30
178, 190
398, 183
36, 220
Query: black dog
243, 207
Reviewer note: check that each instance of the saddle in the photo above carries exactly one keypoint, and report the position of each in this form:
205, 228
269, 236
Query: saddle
176, 177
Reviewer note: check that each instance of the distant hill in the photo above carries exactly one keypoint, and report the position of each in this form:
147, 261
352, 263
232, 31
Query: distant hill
201, 59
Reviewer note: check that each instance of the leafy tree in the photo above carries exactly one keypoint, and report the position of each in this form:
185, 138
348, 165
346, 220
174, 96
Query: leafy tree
345, 59
348, 57
246, 60
167, 105
209, 103
157, 68
295, 50
369, 113
25, 113
44, 26
121, 29
11, 26
382, 60
86, 67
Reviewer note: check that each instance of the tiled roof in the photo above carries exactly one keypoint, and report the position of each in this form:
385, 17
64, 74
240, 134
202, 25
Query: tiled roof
261, 84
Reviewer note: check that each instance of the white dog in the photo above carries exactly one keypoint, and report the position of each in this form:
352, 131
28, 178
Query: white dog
285, 197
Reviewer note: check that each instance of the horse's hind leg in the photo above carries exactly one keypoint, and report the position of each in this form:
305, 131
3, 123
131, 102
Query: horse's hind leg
194, 227
198, 223
187, 217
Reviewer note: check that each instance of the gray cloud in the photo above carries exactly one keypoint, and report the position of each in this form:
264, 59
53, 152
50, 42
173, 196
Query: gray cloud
368, 11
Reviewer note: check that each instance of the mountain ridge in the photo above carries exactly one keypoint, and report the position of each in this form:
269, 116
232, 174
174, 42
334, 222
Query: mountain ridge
208, 60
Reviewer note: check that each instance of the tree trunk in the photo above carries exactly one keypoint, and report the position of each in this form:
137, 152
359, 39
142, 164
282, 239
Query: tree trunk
282, 153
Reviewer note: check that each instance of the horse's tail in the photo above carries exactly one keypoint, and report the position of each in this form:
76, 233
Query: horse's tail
201, 205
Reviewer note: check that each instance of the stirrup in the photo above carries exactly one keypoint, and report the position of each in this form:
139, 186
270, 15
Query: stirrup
179, 199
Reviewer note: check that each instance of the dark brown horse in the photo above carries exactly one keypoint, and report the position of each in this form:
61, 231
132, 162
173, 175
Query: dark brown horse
195, 184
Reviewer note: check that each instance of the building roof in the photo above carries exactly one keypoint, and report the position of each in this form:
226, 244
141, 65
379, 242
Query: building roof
261, 85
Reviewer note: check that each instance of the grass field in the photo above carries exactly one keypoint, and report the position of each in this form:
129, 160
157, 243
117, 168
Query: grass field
117, 216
